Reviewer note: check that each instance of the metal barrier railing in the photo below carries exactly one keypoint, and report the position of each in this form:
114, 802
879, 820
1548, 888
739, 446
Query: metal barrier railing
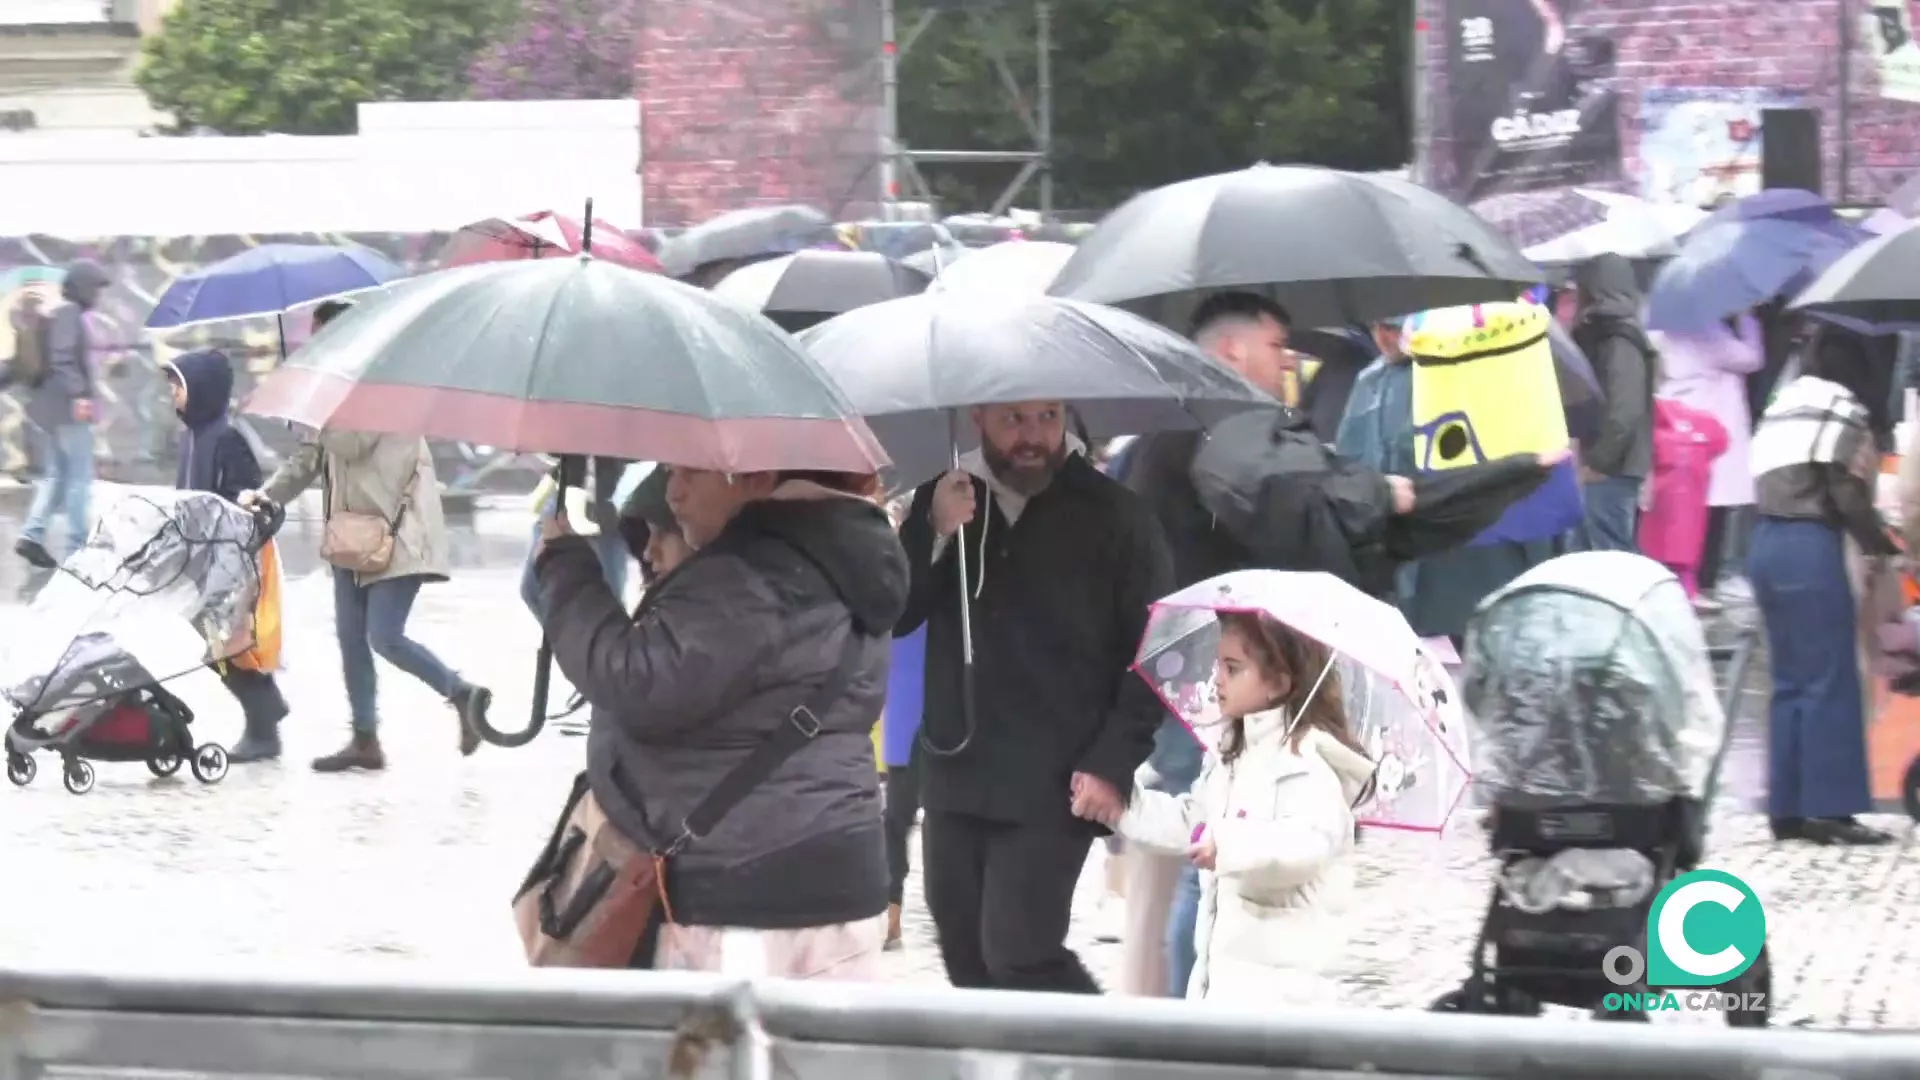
601, 1026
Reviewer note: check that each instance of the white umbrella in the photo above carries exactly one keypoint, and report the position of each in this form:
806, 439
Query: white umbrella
1011, 268
1634, 228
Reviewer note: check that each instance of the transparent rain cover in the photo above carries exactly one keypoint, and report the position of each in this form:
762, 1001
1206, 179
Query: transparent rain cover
165, 583
1416, 737
1588, 682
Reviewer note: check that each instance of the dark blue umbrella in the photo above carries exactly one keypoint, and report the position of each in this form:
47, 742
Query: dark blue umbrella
1778, 204
270, 280
1732, 264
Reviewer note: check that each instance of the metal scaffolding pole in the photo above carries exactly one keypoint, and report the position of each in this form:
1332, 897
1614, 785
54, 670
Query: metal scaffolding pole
899, 165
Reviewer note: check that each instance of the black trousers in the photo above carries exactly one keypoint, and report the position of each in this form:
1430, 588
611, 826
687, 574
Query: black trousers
903, 804
1001, 896
261, 701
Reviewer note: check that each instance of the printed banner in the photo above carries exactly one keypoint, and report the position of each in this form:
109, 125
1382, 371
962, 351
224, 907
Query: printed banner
1887, 34
1529, 100
1701, 145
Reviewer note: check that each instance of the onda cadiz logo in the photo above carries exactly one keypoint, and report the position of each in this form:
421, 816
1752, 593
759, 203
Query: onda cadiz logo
1705, 929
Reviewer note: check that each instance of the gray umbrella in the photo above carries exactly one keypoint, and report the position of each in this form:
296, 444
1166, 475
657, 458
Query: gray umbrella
1875, 287
803, 289
1335, 248
744, 235
908, 364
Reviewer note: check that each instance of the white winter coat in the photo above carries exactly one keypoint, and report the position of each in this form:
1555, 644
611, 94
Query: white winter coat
1270, 925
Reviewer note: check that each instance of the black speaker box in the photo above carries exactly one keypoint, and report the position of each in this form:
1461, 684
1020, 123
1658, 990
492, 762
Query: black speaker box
1790, 149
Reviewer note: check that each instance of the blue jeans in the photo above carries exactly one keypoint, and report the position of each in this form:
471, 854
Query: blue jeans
1816, 740
371, 620
611, 548
1613, 513
1181, 920
66, 481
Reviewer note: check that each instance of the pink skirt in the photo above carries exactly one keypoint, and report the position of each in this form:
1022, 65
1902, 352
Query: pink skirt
843, 952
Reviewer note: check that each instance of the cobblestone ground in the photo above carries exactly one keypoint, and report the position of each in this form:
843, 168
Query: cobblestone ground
414, 866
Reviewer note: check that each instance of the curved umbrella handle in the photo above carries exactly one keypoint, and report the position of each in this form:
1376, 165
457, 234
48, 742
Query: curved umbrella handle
570, 472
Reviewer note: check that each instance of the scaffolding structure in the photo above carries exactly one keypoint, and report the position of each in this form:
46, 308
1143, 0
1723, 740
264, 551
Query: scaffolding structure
901, 178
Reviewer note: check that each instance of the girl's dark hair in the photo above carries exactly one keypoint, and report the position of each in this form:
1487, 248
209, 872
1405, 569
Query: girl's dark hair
1295, 661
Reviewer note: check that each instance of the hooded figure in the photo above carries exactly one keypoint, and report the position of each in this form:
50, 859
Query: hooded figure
214, 455
69, 371
1608, 331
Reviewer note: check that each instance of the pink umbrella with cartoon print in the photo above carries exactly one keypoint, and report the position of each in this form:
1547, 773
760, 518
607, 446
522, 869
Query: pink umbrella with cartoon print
1399, 699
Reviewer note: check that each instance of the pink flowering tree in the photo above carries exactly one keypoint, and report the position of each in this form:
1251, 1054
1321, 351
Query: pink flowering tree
562, 50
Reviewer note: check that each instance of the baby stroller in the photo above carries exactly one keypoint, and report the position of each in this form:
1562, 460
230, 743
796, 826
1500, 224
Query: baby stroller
1598, 741
166, 583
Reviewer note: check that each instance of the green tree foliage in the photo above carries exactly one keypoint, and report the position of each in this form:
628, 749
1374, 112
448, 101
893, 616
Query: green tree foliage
245, 67
1151, 91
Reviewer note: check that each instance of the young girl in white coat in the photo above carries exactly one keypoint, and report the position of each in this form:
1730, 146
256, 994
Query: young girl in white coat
1270, 822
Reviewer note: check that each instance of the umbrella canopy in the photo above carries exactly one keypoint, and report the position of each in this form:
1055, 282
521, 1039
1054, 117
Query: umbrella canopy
931, 261
1335, 248
1731, 265
1399, 701
752, 233
1632, 227
906, 364
1010, 268
800, 290
573, 356
270, 280
1875, 286
543, 235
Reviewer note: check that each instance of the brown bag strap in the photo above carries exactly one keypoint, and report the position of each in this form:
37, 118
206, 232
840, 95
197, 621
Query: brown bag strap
802, 726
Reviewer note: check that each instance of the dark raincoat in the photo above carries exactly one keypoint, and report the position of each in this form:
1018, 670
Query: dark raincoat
214, 455
1609, 332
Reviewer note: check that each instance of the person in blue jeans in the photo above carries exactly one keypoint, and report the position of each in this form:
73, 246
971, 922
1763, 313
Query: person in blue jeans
1616, 462
60, 412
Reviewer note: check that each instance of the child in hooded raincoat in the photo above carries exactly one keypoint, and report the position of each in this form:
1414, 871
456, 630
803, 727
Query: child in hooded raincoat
1270, 823
215, 457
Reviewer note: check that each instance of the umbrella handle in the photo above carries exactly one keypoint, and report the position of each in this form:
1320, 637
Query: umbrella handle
968, 724
568, 474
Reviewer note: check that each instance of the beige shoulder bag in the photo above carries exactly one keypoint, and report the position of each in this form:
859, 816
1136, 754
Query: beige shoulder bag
356, 541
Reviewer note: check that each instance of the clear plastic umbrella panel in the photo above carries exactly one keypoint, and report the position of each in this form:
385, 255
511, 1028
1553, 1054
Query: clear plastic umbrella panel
166, 583
1399, 699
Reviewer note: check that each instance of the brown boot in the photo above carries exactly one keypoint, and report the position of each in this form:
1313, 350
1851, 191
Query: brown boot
893, 928
362, 753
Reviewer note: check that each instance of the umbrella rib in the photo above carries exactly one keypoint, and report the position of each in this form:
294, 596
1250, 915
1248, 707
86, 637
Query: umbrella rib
1179, 398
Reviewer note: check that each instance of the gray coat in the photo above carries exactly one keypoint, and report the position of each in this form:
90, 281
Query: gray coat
375, 474
722, 651
69, 372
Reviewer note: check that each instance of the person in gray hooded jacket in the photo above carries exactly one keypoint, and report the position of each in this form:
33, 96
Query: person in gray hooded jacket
789, 571
60, 409
1619, 458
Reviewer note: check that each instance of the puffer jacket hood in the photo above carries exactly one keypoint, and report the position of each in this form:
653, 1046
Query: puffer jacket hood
83, 282
1607, 288
850, 540
208, 376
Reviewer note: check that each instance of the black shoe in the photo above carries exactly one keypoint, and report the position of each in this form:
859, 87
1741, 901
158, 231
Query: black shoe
1845, 832
471, 703
362, 753
253, 748
1788, 828
35, 553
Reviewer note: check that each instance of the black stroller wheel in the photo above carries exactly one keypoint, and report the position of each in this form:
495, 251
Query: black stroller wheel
210, 763
78, 776
21, 769
1910, 789
164, 765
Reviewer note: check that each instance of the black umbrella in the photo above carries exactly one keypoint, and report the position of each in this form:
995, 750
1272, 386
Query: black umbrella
804, 289
911, 365
1873, 288
746, 235
1335, 248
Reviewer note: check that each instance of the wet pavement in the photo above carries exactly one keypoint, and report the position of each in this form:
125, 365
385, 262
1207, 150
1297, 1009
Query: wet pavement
415, 865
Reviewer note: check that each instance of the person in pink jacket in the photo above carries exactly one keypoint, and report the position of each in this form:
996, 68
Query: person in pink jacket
1708, 372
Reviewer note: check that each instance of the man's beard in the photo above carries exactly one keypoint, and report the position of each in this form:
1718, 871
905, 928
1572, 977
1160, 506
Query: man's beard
1025, 475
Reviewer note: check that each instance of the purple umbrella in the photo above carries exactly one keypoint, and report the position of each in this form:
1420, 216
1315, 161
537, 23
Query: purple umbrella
1745, 255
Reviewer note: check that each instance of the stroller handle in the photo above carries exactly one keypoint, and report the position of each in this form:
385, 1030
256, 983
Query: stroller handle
268, 516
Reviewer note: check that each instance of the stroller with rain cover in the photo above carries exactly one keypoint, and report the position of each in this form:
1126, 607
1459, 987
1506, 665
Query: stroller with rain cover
165, 584
1598, 743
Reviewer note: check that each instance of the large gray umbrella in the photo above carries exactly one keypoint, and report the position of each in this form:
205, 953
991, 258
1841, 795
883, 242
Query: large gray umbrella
1875, 287
573, 356
1335, 248
745, 235
804, 289
907, 365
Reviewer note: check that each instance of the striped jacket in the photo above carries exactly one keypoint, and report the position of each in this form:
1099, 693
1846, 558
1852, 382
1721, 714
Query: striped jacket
1814, 458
